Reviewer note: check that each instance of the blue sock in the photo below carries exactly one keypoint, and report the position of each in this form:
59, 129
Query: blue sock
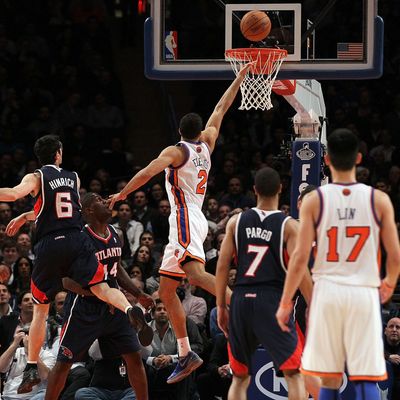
329, 394
366, 390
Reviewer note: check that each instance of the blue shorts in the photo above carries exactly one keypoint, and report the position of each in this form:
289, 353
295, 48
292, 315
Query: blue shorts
63, 253
252, 322
87, 319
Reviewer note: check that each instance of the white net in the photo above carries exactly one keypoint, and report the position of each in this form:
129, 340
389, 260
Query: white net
256, 87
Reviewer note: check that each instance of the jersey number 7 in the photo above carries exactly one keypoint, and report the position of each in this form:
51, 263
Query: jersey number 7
351, 231
260, 252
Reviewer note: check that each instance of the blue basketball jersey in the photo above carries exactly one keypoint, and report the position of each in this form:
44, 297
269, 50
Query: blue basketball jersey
261, 253
57, 206
108, 251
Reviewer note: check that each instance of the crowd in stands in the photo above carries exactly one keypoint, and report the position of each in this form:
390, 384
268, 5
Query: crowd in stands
57, 76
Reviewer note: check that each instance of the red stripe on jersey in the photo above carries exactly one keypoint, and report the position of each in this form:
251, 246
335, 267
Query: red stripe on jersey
294, 361
38, 205
98, 276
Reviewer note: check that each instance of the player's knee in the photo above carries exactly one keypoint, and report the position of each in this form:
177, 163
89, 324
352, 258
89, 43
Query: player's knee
331, 383
196, 277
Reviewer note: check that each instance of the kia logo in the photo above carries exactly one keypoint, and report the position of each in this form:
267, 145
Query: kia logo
277, 385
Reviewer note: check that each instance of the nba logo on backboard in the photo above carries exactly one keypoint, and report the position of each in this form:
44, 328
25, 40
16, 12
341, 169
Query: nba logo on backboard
171, 45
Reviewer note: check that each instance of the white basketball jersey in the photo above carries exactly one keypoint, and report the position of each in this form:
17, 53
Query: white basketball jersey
186, 185
347, 236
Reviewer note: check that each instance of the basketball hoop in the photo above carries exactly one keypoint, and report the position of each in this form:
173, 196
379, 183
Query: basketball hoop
257, 85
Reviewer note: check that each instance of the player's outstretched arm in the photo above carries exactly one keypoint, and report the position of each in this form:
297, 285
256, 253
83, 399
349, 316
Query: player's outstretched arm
390, 240
171, 155
75, 287
211, 132
30, 184
126, 283
299, 260
224, 261
15, 224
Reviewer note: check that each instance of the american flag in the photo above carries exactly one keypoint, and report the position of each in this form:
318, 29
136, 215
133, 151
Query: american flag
350, 51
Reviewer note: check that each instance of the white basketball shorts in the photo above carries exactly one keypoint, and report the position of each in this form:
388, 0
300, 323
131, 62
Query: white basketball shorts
188, 229
344, 326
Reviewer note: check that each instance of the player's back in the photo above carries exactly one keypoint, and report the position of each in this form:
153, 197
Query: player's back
347, 235
187, 184
57, 205
260, 248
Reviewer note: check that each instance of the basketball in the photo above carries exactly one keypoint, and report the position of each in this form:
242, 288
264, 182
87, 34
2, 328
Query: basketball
255, 25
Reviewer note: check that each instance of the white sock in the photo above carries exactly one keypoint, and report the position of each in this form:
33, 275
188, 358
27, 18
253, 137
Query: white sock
183, 346
127, 308
31, 362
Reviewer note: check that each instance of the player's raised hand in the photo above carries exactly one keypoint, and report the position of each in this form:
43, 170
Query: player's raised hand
114, 198
283, 315
223, 319
146, 301
243, 71
14, 225
385, 291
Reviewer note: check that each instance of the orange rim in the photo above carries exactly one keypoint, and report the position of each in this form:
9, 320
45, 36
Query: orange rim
248, 54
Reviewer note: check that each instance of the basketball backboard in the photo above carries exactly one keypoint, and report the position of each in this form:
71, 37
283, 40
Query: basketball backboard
332, 39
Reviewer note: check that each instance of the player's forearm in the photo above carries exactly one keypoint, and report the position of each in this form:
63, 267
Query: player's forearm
221, 281
75, 287
126, 282
306, 287
229, 96
141, 178
8, 194
28, 216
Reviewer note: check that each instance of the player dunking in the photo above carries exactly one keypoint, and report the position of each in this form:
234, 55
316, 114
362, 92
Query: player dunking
348, 220
187, 166
260, 238
88, 318
61, 249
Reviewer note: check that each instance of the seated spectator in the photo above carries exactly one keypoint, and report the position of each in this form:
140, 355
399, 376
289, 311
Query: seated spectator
128, 230
143, 257
208, 245
195, 307
164, 356
157, 193
160, 222
141, 209
9, 323
13, 361
5, 213
5, 297
235, 197
9, 252
136, 272
24, 245
285, 208
22, 275
392, 352
218, 376
147, 238
211, 212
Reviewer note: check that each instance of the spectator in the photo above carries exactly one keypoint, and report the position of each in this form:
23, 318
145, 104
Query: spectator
141, 210
22, 275
5, 297
160, 223
144, 258
9, 252
136, 272
5, 213
10, 322
195, 307
212, 209
392, 352
164, 356
24, 246
236, 198
157, 193
218, 376
128, 230
5, 274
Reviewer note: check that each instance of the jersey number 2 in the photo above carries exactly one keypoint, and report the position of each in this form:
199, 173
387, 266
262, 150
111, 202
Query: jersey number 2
201, 186
260, 252
361, 231
63, 205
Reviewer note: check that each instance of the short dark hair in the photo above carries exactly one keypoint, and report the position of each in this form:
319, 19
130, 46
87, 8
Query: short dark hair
86, 201
190, 126
306, 190
343, 147
8, 243
46, 148
21, 296
267, 182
